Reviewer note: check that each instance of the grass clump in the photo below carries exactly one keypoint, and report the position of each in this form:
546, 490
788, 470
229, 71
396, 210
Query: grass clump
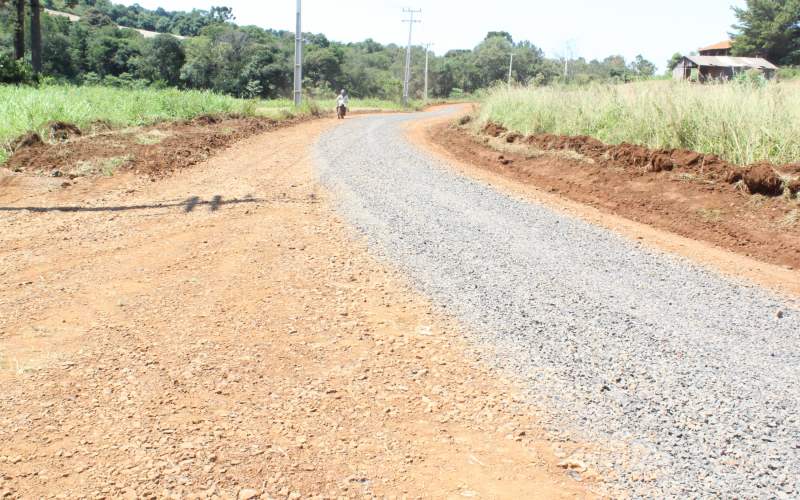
741, 123
99, 167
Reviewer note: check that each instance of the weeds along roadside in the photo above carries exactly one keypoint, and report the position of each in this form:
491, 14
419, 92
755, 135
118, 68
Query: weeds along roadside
742, 124
24, 108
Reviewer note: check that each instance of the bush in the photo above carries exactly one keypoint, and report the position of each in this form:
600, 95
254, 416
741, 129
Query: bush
16, 72
751, 78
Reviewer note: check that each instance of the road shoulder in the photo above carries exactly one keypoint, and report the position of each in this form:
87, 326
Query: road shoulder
772, 277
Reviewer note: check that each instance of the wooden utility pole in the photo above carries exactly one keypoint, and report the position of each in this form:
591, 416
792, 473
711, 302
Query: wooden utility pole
510, 67
427, 46
36, 36
298, 61
410, 22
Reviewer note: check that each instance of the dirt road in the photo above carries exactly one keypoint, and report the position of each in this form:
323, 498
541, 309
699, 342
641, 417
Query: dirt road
694, 372
221, 333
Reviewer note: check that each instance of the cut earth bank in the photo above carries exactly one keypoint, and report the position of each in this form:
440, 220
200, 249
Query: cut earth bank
753, 212
220, 333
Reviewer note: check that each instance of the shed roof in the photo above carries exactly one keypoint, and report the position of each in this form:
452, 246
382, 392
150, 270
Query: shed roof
718, 46
731, 62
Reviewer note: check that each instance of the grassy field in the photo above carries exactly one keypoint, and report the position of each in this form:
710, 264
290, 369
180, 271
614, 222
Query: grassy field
742, 124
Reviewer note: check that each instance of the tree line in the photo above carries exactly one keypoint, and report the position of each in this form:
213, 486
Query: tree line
104, 48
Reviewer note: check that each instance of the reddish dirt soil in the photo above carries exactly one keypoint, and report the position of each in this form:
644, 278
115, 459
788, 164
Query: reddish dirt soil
221, 334
693, 195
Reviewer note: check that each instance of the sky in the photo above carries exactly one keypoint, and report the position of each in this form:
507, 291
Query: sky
654, 29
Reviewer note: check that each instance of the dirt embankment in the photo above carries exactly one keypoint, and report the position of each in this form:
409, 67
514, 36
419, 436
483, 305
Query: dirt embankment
153, 150
752, 210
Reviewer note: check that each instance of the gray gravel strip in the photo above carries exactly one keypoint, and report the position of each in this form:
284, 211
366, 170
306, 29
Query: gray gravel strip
618, 342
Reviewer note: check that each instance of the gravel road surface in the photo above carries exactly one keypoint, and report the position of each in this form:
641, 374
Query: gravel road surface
695, 373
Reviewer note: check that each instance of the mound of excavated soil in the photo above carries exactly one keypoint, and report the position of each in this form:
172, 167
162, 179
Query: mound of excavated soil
696, 195
154, 150
59, 131
760, 178
207, 120
29, 139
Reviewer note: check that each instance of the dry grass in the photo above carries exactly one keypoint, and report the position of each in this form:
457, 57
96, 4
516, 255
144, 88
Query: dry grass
500, 144
101, 166
151, 137
792, 218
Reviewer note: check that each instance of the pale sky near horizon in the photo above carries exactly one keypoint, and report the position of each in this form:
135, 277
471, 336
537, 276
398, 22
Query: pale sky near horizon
628, 27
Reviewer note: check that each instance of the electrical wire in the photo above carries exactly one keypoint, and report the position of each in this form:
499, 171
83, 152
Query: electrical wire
384, 3
419, 38
377, 4
392, 4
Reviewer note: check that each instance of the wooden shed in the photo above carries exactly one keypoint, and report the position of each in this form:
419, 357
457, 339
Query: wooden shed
720, 67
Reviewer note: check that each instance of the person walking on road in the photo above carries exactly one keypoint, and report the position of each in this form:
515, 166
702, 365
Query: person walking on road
342, 100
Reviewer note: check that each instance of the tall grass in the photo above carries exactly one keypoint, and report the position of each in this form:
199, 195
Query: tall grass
28, 108
742, 124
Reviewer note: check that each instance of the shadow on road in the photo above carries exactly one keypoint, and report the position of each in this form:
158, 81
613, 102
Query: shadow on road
188, 205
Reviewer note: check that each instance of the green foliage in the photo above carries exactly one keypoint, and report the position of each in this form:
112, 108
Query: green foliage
753, 78
500, 34
12, 71
741, 123
254, 88
673, 61
642, 67
769, 29
788, 73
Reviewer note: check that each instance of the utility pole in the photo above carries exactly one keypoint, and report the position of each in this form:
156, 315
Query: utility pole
410, 22
298, 61
510, 67
427, 45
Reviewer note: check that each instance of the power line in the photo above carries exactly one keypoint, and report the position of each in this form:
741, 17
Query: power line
419, 37
379, 4
391, 4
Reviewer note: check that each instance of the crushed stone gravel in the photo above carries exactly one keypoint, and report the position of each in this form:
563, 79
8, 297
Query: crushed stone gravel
689, 377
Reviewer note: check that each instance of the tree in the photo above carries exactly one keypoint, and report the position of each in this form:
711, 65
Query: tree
769, 29
221, 15
36, 36
642, 67
161, 58
673, 61
500, 34
19, 29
